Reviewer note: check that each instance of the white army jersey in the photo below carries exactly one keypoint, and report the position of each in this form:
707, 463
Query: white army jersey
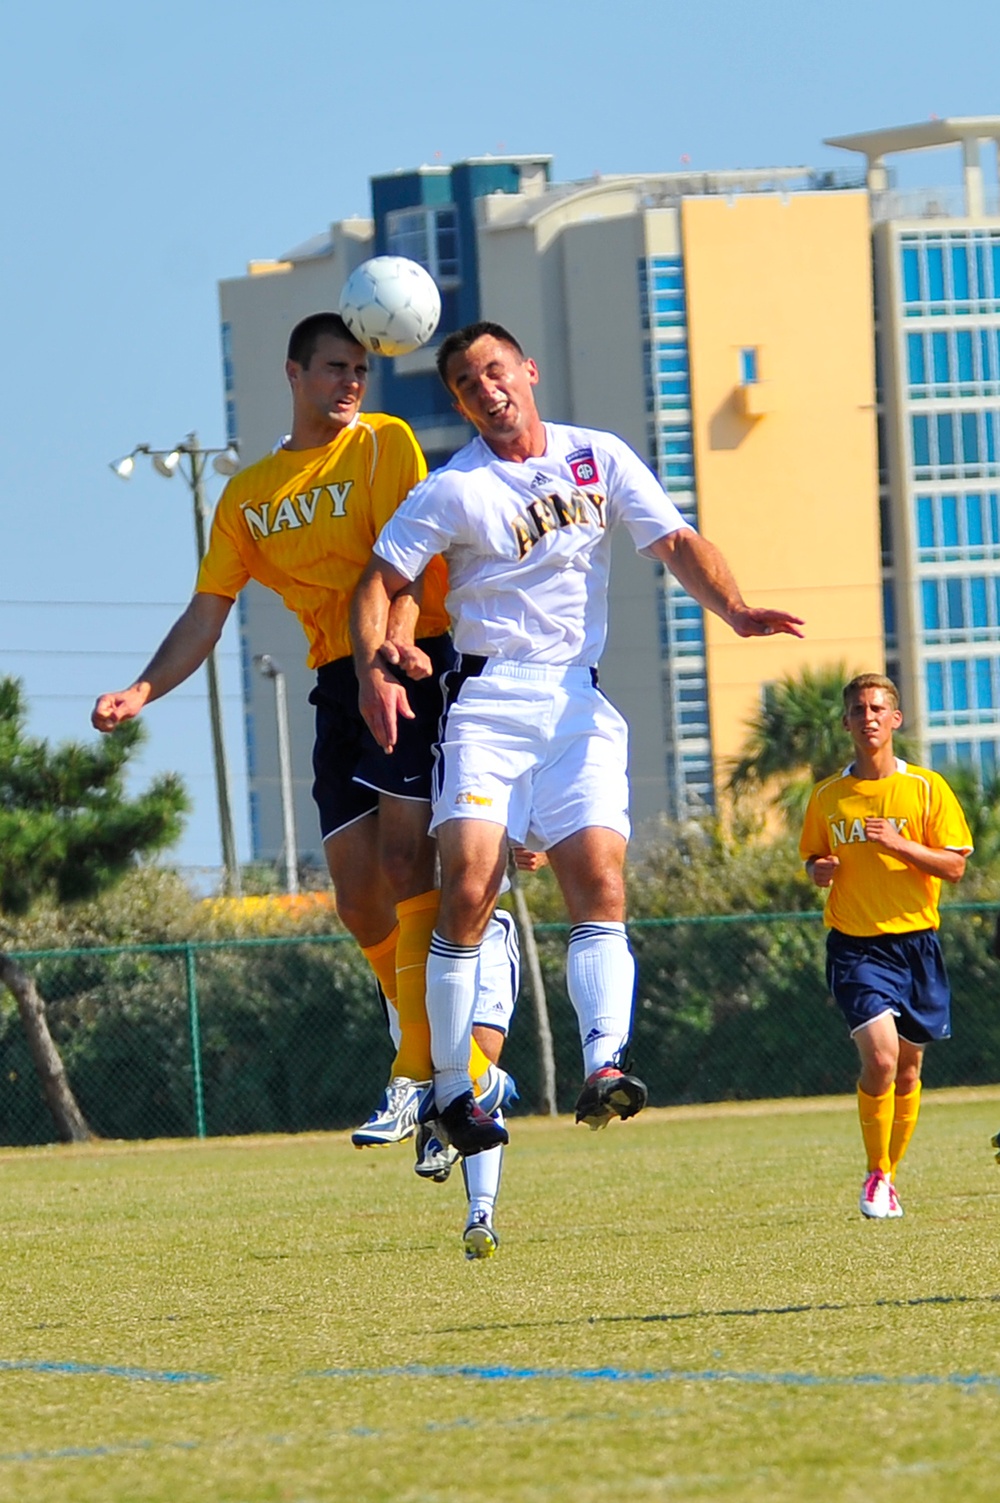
528, 546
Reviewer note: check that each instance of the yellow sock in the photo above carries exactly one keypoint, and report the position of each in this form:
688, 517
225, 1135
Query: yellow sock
876, 1113
904, 1120
478, 1064
382, 959
417, 917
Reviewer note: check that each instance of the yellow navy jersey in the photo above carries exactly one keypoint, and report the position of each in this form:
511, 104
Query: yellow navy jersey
875, 892
303, 522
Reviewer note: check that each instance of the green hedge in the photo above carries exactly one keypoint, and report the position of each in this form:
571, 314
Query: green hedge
292, 1038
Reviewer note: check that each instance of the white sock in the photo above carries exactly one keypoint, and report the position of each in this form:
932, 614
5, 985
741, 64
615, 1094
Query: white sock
600, 973
451, 1001
482, 1176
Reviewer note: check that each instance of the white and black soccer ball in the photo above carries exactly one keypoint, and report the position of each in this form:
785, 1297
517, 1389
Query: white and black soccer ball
391, 305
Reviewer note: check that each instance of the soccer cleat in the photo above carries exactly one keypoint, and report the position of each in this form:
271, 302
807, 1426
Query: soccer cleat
895, 1204
608, 1093
480, 1238
874, 1199
497, 1089
435, 1156
468, 1128
995, 1143
395, 1117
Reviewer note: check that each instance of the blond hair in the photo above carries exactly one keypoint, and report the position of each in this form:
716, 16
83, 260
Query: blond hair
871, 681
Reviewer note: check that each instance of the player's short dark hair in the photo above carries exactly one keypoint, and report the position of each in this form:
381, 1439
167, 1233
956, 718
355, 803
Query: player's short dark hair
306, 335
459, 342
870, 681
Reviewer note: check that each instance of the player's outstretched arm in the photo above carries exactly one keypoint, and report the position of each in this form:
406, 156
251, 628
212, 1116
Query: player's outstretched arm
183, 650
698, 565
381, 698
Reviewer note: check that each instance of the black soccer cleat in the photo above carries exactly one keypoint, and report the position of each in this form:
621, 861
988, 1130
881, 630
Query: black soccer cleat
608, 1093
995, 1143
468, 1127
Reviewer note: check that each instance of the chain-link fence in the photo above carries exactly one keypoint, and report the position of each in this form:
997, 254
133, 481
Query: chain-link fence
285, 1035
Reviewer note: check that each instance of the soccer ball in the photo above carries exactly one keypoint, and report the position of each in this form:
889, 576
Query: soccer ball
391, 305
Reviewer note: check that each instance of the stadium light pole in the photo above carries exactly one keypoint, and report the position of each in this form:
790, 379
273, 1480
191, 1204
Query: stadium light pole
189, 459
272, 670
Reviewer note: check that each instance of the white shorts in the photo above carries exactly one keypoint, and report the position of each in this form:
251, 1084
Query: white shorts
536, 749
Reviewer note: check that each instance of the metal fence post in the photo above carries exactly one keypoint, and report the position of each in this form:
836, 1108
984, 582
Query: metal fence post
195, 1027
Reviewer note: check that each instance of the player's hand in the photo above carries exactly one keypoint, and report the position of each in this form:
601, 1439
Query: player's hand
123, 704
408, 658
382, 701
883, 833
528, 861
753, 621
823, 869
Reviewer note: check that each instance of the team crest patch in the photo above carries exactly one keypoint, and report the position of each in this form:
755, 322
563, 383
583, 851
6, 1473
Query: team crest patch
583, 466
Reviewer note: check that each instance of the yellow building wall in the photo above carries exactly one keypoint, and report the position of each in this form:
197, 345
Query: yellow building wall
789, 492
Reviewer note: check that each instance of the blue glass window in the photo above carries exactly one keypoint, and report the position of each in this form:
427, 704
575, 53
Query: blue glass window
987, 354
921, 441
889, 609
956, 603
911, 276
995, 257
915, 359
993, 501
974, 521
959, 273
984, 684
939, 756
988, 756
925, 522
939, 356
935, 688
748, 366
963, 348
949, 521
977, 600
945, 440
970, 438
959, 685
991, 421
932, 611
935, 274
963, 753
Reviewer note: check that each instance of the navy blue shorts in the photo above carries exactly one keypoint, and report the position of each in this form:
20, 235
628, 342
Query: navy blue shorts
899, 973
350, 767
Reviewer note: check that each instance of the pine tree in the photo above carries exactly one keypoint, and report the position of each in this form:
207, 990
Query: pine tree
69, 831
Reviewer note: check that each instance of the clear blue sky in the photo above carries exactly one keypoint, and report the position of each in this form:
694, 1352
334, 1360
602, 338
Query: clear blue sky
152, 149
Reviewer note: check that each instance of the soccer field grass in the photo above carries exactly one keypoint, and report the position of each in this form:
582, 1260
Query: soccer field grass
686, 1306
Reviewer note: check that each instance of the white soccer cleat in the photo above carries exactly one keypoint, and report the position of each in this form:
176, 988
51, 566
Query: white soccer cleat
395, 1117
435, 1157
874, 1200
895, 1204
480, 1239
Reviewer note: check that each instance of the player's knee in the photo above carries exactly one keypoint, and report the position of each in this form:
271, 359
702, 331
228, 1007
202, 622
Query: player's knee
408, 869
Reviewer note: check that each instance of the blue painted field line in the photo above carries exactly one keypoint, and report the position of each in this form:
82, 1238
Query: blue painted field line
101, 1370
667, 1375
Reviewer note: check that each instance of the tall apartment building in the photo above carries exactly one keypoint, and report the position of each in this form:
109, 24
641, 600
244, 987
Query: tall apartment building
720, 322
937, 299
